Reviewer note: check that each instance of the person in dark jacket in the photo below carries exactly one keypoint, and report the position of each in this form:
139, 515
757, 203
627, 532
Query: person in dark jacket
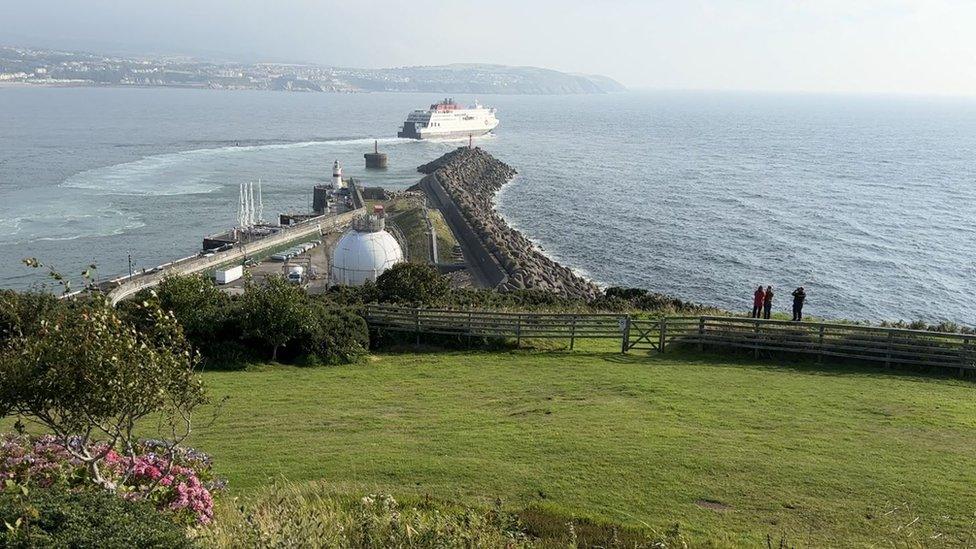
798, 297
768, 302
757, 301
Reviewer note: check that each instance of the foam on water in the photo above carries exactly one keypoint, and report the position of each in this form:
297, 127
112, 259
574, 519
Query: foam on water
195, 171
54, 224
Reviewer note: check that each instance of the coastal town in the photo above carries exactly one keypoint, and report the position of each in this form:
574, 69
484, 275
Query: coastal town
42, 67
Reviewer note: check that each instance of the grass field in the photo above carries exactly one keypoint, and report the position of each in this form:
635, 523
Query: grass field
732, 451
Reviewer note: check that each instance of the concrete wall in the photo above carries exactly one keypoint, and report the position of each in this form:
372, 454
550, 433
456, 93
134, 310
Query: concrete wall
128, 287
481, 263
356, 192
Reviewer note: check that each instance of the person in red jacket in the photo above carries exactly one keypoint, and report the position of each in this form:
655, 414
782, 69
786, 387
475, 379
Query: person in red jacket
759, 298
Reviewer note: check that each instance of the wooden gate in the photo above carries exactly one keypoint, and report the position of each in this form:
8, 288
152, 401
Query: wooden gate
642, 334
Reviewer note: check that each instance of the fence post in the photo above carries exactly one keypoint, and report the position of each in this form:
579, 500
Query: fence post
888, 349
663, 338
701, 334
469, 328
966, 361
416, 323
820, 344
518, 331
572, 335
755, 339
624, 333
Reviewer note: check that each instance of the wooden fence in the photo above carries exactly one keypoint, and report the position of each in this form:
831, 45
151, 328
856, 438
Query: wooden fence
763, 337
517, 326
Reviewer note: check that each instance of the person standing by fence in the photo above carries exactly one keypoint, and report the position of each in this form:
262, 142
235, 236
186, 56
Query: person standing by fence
757, 302
768, 302
798, 298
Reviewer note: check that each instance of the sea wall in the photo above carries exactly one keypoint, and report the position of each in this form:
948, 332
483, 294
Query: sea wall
126, 287
471, 177
481, 263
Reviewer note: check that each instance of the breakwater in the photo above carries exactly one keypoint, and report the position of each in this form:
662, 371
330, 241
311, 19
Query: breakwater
125, 287
470, 177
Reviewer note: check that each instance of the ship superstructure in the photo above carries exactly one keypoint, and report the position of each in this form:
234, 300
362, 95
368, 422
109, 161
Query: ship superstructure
448, 119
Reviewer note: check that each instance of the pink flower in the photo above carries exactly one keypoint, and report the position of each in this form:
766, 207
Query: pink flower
183, 487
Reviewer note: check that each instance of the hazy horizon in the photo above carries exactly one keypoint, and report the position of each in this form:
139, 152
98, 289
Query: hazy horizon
894, 47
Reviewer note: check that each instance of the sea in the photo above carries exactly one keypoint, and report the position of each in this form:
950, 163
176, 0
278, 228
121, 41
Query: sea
869, 202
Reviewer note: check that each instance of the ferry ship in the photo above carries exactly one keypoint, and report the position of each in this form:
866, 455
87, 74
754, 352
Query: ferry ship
448, 119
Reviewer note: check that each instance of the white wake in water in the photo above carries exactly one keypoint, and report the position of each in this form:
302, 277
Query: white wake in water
55, 224
197, 171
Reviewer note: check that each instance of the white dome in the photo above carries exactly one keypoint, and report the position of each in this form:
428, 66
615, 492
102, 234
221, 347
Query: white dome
360, 256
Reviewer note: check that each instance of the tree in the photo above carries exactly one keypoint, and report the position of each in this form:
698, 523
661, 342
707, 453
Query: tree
274, 312
90, 378
200, 307
412, 283
21, 313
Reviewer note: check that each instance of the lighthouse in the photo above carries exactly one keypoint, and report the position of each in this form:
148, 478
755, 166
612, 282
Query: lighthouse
337, 175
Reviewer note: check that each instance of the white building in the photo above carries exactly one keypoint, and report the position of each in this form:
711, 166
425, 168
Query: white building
336, 175
365, 251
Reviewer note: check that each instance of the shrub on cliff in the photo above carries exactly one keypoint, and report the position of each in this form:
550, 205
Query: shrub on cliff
207, 315
518, 299
272, 319
61, 518
624, 293
415, 283
946, 327
617, 298
90, 379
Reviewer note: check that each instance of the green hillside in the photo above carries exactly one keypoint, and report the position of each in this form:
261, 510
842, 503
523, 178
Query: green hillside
732, 451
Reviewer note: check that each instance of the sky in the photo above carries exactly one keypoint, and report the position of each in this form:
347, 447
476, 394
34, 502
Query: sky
860, 46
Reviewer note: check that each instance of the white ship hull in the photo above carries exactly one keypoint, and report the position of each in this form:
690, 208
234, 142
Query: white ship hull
446, 120
455, 134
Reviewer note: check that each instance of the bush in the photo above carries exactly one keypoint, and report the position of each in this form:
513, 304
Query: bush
177, 482
86, 373
273, 319
282, 317
412, 283
942, 327
345, 337
209, 317
91, 518
625, 293
516, 299
197, 304
334, 336
347, 296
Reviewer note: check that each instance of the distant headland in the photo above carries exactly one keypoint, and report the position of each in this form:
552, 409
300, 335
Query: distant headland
41, 67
